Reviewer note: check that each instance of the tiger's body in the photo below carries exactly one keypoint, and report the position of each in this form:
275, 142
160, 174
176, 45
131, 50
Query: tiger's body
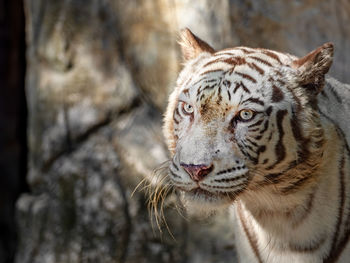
263, 133
318, 230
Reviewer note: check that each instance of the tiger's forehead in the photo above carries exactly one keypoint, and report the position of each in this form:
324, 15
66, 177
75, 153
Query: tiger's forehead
251, 64
231, 72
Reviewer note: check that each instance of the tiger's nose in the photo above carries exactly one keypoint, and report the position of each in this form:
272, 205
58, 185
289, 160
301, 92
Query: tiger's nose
197, 171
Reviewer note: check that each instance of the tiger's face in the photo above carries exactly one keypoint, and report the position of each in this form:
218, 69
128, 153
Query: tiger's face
239, 119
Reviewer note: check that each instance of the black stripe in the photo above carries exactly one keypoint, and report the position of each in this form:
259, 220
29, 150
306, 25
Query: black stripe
263, 61
236, 88
198, 91
258, 138
188, 81
220, 59
211, 71
256, 123
277, 94
270, 136
229, 95
266, 125
303, 144
308, 248
307, 210
256, 67
245, 88
235, 61
245, 76
225, 171
226, 83
323, 93
255, 100
244, 50
251, 142
276, 177
250, 157
272, 55
248, 147
173, 174
296, 99
241, 85
176, 114
335, 250
229, 179
251, 237
268, 111
280, 150
295, 185
176, 167
219, 96
254, 130
210, 80
221, 53
186, 92
225, 187
281, 82
261, 149
208, 87
335, 94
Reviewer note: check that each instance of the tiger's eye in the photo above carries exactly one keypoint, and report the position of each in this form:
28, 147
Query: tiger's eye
246, 115
188, 109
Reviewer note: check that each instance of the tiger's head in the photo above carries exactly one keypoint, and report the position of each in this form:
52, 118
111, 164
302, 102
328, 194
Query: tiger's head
243, 120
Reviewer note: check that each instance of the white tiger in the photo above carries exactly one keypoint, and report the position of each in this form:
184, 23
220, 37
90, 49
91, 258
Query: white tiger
264, 133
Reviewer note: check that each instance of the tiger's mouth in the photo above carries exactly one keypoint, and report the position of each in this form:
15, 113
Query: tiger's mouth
218, 187
199, 194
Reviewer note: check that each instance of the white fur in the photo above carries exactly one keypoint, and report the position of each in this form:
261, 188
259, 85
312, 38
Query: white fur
279, 223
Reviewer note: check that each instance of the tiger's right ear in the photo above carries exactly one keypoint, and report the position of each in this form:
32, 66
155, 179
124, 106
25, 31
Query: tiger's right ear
191, 45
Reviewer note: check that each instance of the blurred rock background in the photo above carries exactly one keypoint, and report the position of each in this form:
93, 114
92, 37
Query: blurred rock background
98, 74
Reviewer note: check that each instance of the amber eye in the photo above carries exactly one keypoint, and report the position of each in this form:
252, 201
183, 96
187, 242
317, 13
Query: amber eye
187, 108
246, 115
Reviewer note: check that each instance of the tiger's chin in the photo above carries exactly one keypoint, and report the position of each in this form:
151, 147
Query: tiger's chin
199, 202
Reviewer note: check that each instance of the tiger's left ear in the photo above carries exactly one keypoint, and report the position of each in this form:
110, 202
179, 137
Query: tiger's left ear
191, 45
313, 67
